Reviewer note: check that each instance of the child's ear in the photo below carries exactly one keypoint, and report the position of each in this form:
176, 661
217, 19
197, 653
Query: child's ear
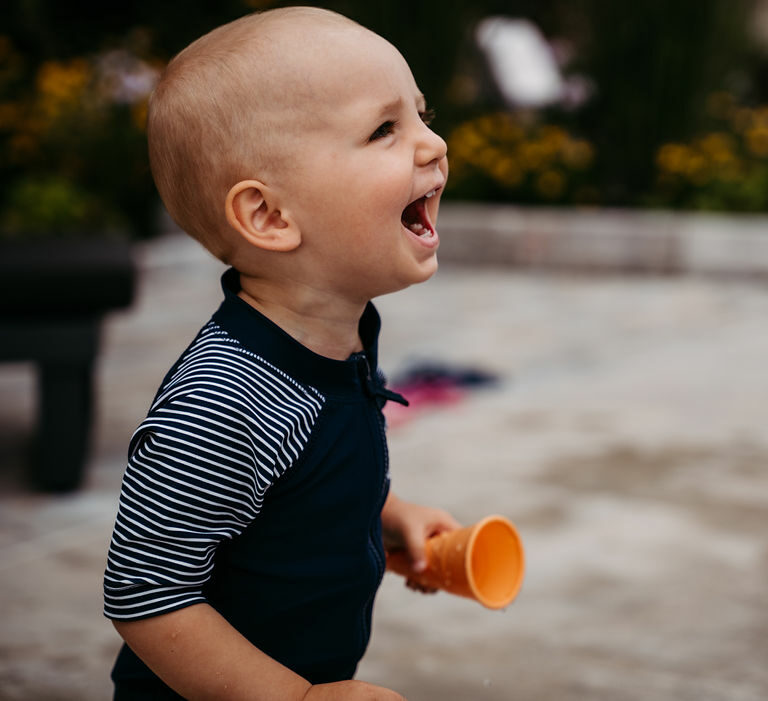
250, 212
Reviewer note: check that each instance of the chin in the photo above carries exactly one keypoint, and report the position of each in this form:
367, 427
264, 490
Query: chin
425, 271
421, 272
432, 269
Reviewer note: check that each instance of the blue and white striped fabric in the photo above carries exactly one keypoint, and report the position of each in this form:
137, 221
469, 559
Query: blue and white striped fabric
224, 426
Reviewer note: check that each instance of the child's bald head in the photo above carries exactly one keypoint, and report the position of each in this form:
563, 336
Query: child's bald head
227, 106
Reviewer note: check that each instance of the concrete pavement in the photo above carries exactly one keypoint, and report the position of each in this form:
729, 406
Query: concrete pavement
626, 440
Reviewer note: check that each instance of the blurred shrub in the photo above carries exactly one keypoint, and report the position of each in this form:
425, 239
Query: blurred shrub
502, 156
651, 67
725, 168
54, 206
74, 83
72, 143
499, 156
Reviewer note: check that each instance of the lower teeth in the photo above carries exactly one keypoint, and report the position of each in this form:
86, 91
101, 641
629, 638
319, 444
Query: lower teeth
419, 229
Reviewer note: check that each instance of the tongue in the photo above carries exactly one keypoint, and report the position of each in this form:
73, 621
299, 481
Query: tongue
415, 218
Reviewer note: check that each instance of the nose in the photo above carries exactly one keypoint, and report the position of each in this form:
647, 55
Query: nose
430, 148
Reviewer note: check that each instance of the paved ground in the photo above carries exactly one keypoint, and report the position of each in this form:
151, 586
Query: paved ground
626, 440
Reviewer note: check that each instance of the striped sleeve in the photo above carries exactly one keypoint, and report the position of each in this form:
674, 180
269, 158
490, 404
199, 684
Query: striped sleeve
222, 430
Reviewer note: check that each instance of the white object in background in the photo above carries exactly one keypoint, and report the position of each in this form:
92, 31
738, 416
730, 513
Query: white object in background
522, 63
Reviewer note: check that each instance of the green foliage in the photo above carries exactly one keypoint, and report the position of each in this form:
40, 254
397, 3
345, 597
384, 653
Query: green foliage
53, 206
66, 132
74, 82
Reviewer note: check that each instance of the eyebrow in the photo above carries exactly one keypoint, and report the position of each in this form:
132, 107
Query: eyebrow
394, 105
390, 107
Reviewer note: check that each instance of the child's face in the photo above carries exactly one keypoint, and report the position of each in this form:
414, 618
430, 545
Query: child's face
362, 160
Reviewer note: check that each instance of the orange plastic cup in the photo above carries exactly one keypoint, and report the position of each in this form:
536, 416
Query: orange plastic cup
485, 562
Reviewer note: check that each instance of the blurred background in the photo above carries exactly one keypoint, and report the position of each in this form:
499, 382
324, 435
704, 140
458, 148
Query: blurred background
586, 102
603, 265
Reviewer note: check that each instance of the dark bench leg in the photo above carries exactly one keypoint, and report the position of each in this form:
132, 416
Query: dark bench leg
65, 404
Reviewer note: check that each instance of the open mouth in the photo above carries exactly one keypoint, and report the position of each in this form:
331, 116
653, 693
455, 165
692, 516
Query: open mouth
416, 219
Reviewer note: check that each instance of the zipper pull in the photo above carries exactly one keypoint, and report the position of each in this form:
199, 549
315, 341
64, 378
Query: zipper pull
374, 387
392, 396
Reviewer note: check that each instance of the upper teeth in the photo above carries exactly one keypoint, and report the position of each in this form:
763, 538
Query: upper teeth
431, 193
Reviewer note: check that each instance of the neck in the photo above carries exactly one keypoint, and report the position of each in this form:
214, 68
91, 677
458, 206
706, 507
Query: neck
321, 322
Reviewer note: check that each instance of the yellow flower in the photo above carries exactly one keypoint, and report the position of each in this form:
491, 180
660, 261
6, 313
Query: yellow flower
467, 136
578, 154
62, 86
553, 137
742, 118
717, 146
139, 114
510, 131
503, 147
63, 80
532, 156
549, 148
486, 157
507, 172
672, 158
757, 141
761, 115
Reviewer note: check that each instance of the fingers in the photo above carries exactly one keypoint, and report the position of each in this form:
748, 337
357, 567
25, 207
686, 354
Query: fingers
430, 522
446, 523
414, 543
417, 586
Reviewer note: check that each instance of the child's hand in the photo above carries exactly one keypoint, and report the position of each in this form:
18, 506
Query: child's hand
352, 690
408, 526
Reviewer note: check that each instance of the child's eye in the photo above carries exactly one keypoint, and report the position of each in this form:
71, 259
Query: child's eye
384, 129
427, 116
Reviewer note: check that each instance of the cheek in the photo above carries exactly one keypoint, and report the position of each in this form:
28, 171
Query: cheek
367, 207
361, 196
384, 181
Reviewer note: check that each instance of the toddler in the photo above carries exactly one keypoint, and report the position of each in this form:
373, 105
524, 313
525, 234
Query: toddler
249, 542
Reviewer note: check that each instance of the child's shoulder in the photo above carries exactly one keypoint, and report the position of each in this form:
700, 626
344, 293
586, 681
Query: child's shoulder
218, 365
224, 399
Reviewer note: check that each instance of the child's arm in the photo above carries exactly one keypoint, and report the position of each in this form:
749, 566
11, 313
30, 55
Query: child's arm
408, 526
201, 656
